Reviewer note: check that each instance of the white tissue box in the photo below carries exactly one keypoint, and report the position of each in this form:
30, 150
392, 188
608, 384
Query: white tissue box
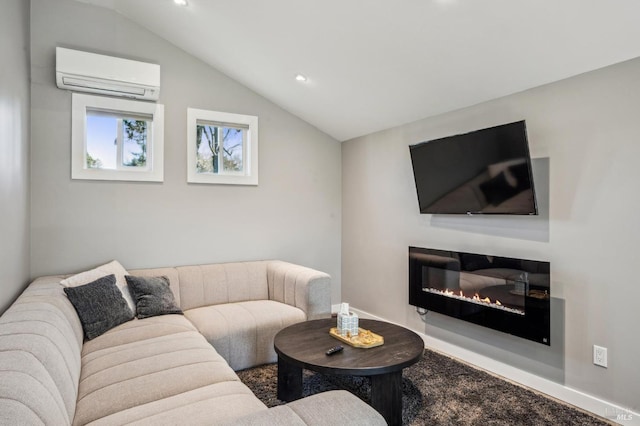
348, 324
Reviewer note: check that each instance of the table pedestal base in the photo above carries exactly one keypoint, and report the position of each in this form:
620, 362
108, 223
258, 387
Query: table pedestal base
289, 381
386, 390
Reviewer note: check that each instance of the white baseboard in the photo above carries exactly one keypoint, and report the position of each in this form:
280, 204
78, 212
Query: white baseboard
571, 396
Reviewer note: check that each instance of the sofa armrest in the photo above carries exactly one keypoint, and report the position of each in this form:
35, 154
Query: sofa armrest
337, 407
299, 286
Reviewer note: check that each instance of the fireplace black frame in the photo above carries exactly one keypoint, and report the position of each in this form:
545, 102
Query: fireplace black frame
532, 323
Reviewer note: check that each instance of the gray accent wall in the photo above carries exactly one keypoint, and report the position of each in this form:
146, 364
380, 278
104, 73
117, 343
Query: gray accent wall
584, 136
14, 149
293, 215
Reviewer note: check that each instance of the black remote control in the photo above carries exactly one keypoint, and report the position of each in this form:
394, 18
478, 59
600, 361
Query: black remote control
334, 350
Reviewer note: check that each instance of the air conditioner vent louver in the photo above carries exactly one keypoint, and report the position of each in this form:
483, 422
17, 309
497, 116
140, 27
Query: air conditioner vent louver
106, 87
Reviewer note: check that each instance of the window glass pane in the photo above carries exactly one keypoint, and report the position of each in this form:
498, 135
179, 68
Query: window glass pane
232, 149
219, 148
102, 135
134, 144
207, 148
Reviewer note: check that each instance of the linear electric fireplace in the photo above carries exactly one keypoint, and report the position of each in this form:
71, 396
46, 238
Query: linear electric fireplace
506, 294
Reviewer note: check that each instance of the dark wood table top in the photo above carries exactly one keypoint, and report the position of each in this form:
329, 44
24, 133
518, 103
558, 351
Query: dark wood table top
304, 344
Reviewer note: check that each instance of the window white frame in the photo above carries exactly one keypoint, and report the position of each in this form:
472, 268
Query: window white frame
152, 172
249, 123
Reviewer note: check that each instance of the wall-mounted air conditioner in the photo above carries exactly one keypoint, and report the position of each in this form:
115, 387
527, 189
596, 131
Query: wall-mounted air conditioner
89, 72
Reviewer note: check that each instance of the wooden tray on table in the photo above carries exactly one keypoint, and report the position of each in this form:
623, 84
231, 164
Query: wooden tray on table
364, 339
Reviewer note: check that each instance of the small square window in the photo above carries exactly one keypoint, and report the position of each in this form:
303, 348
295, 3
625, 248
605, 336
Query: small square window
222, 148
116, 139
219, 148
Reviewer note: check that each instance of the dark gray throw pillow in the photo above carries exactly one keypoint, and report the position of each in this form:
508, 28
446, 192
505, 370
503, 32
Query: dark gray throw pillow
153, 296
99, 305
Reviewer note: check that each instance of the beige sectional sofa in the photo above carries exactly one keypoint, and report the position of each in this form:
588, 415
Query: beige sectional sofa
168, 369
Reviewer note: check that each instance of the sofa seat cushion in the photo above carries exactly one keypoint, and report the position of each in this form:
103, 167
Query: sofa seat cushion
332, 407
212, 404
138, 330
338, 404
143, 361
243, 332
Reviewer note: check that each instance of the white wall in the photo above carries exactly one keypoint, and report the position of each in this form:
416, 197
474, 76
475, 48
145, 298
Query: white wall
584, 134
294, 214
14, 150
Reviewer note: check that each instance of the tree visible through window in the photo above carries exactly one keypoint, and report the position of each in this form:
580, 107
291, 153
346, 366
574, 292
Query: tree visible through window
136, 132
219, 149
114, 142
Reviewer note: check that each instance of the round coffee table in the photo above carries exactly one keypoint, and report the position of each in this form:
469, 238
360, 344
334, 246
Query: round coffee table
303, 345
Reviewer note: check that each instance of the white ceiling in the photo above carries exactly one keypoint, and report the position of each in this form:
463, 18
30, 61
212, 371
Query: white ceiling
375, 64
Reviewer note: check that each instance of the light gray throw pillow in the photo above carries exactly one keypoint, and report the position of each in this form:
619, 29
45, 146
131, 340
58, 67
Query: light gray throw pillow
114, 267
100, 305
153, 296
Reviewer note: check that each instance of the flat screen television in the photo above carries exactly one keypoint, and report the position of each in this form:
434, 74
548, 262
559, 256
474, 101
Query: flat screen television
486, 171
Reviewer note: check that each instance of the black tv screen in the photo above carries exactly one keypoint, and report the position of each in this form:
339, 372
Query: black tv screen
487, 171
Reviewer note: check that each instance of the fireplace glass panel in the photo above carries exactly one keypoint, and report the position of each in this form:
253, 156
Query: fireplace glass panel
506, 294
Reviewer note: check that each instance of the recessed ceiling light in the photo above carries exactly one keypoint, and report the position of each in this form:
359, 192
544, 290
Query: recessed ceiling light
300, 77
181, 2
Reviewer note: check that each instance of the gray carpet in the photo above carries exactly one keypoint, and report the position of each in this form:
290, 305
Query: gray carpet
440, 391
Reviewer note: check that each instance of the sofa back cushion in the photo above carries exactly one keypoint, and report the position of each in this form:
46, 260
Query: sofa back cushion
40, 345
205, 285
213, 284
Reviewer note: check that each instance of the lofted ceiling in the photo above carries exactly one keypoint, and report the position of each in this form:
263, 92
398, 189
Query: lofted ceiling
375, 64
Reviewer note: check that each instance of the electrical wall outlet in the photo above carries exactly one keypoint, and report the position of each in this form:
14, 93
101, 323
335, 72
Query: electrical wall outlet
600, 356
